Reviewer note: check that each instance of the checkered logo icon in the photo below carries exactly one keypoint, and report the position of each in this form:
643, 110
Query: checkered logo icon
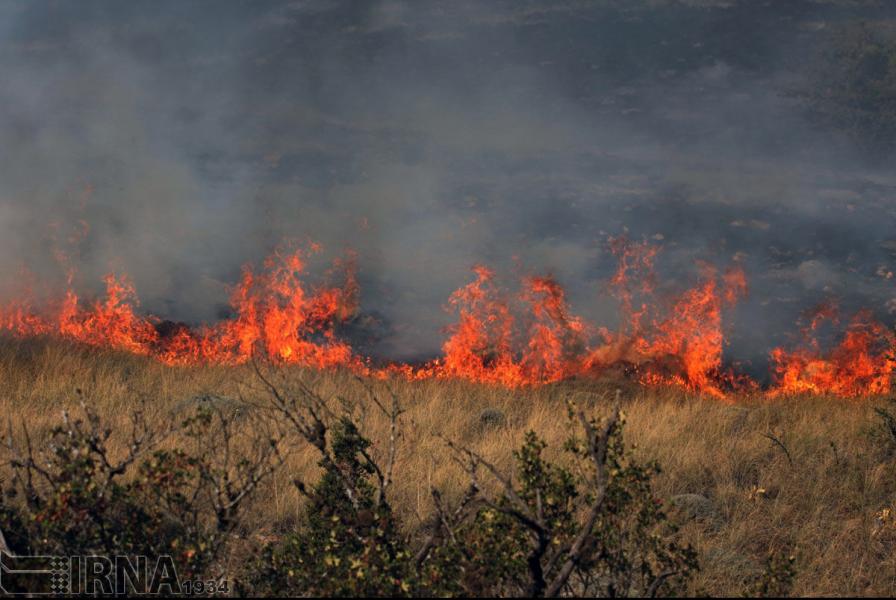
34, 575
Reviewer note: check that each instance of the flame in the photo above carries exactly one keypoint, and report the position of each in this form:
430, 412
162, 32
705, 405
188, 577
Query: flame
480, 345
692, 337
274, 314
533, 338
557, 339
861, 364
490, 344
634, 276
529, 337
110, 322
681, 346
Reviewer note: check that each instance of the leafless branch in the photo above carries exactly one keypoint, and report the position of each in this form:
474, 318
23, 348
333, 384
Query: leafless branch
776, 441
393, 412
598, 443
659, 581
446, 522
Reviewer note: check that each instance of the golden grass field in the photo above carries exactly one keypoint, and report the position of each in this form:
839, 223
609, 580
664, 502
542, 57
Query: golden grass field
826, 504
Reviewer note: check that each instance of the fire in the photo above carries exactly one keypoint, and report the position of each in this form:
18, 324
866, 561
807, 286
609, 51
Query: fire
557, 339
491, 344
274, 314
111, 322
480, 345
861, 364
529, 337
533, 338
681, 346
634, 277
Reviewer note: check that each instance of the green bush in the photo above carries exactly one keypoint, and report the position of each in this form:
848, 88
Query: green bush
346, 545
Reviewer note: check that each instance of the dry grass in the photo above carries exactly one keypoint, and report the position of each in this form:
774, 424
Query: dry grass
819, 499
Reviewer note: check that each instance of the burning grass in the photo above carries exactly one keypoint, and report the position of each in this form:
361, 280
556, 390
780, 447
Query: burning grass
813, 476
528, 338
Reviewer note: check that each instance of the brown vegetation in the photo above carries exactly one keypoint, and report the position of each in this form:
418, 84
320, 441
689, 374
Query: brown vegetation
811, 477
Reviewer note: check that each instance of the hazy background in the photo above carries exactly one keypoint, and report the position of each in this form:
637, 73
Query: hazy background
429, 136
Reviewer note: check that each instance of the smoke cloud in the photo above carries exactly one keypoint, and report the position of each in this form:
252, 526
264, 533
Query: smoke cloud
192, 136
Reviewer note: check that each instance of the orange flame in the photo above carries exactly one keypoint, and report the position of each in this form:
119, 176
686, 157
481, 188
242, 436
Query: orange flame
489, 344
528, 338
862, 364
274, 314
480, 345
692, 335
557, 339
682, 347
541, 341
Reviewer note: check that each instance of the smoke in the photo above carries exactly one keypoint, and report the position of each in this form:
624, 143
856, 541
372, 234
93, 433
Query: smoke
192, 137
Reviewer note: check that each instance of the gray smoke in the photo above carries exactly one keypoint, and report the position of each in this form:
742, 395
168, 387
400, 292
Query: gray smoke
428, 136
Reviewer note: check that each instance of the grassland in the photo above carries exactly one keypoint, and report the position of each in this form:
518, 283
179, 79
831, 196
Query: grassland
808, 476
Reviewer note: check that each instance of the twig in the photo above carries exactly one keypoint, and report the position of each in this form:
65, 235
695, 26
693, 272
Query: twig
781, 445
660, 579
